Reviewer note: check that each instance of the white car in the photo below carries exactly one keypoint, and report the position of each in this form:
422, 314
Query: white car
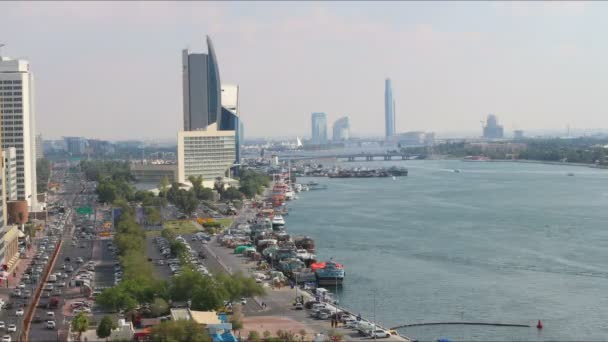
379, 333
21, 285
11, 328
6, 338
19, 312
50, 325
2, 325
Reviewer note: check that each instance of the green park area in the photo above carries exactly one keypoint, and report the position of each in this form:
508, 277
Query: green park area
181, 227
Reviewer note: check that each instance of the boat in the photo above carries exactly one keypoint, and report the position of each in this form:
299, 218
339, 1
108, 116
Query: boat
570, 174
475, 159
456, 170
316, 186
328, 273
289, 195
305, 242
278, 222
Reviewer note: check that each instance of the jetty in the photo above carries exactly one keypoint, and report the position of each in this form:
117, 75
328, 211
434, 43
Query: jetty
462, 323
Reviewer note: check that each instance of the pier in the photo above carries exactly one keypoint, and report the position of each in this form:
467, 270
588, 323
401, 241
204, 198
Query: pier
462, 323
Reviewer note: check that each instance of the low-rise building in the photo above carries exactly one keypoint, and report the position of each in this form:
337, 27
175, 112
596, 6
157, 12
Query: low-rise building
154, 173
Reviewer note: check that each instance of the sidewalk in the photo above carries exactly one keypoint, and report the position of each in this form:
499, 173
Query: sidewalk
15, 277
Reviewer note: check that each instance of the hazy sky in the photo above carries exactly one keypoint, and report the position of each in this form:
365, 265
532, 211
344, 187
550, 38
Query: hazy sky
112, 70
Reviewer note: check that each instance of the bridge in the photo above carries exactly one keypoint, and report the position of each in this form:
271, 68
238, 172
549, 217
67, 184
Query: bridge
354, 157
462, 323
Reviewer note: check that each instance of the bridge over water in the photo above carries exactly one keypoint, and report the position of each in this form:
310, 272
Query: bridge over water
353, 156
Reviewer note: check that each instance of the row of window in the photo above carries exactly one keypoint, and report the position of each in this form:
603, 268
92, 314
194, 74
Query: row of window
11, 117
11, 82
11, 99
10, 88
10, 105
9, 93
10, 111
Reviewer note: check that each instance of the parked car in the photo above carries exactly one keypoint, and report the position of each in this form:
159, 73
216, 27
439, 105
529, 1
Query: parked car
378, 333
19, 312
6, 338
11, 328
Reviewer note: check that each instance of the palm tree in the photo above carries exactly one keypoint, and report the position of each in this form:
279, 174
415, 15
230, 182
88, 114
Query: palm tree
80, 324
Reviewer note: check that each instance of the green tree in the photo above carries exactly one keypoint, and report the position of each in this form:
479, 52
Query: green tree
164, 186
178, 331
206, 194
106, 192
254, 336
153, 215
237, 319
186, 202
231, 194
80, 324
159, 307
105, 327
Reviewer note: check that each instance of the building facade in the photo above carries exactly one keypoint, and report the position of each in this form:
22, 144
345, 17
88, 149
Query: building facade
10, 174
207, 153
201, 89
341, 129
389, 109
319, 128
231, 119
19, 123
154, 173
76, 146
518, 134
39, 146
492, 130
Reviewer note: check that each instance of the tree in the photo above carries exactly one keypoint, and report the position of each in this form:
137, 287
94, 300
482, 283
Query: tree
159, 307
105, 327
237, 319
180, 330
186, 201
164, 186
206, 194
218, 185
80, 324
231, 194
254, 336
302, 334
106, 192
266, 334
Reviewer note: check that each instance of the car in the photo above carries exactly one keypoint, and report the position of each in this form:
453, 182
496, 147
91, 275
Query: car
378, 333
21, 286
299, 306
17, 293
37, 319
2, 325
79, 260
6, 338
50, 314
50, 325
61, 284
243, 301
19, 312
11, 328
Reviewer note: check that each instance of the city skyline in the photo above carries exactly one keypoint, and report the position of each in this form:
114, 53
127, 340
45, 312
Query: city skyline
448, 89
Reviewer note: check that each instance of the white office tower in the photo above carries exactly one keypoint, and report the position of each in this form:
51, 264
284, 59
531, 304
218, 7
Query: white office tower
10, 165
19, 123
208, 153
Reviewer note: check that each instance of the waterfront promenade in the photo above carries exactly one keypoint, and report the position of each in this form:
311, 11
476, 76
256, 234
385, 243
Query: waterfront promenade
279, 311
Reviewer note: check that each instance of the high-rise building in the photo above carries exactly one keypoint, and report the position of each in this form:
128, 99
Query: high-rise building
19, 123
518, 134
492, 130
341, 129
209, 145
76, 146
39, 146
10, 174
389, 109
208, 153
319, 128
231, 119
202, 90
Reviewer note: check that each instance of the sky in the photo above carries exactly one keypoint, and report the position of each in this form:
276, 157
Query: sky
112, 70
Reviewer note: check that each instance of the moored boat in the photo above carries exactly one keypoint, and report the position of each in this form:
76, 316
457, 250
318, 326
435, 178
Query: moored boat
328, 273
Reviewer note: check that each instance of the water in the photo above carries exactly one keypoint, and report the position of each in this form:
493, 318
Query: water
498, 242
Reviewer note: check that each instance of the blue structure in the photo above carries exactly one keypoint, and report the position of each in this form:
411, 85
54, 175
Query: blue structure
389, 109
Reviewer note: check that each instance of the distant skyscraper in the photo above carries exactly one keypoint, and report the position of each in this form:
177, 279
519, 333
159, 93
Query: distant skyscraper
389, 109
518, 134
19, 123
202, 90
341, 129
76, 146
319, 128
492, 130
39, 146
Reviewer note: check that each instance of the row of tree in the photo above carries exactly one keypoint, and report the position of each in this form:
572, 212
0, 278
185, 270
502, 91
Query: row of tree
43, 173
253, 182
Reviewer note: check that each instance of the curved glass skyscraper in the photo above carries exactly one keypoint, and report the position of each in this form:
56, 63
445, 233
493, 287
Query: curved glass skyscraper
202, 89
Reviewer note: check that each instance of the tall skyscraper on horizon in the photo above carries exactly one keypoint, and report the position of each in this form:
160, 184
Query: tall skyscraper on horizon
319, 128
202, 89
341, 129
389, 109
19, 124
492, 130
